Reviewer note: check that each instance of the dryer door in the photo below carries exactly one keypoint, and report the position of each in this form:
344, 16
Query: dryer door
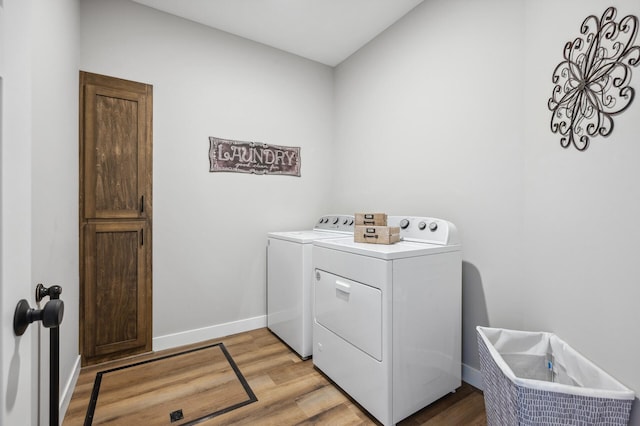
351, 310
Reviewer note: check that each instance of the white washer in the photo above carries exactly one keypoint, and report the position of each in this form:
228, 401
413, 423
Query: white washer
289, 277
387, 322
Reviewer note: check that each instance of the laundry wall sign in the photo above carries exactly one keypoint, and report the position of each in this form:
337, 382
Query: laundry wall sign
227, 155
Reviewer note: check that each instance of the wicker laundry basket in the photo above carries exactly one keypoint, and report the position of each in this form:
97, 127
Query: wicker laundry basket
535, 378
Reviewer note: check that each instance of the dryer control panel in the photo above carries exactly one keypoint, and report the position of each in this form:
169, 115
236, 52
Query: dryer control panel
336, 222
425, 229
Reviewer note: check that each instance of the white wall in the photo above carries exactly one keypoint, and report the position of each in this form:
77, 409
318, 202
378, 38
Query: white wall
210, 229
39, 193
429, 122
581, 210
445, 114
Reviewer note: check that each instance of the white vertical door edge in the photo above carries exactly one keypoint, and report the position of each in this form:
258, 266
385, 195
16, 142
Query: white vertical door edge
19, 355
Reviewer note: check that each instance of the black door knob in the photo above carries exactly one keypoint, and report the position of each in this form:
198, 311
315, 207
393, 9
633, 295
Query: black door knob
51, 315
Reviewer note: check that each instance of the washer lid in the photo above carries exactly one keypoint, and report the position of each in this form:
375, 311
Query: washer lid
307, 236
398, 250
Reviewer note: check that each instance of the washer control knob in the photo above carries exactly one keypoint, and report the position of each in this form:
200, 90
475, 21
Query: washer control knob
421, 226
433, 226
336, 220
404, 223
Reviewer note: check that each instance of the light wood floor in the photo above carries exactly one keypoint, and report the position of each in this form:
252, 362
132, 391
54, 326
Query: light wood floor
291, 391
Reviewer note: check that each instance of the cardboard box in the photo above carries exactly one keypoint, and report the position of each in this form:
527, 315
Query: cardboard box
376, 234
371, 219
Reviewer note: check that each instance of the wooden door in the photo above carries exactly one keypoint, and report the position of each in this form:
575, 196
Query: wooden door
115, 217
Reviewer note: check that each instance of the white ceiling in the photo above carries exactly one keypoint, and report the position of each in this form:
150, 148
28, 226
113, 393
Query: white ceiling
326, 31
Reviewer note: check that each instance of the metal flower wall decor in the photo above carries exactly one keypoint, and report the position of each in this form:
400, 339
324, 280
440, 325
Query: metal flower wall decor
592, 83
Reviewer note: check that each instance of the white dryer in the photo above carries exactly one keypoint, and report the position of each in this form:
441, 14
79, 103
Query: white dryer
289, 277
387, 322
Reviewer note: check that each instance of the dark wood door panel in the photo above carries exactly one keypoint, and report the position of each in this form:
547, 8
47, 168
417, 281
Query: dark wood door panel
114, 153
116, 305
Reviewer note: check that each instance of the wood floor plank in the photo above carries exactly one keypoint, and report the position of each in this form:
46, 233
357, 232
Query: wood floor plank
341, 414
463, 412
289, 391
320, 400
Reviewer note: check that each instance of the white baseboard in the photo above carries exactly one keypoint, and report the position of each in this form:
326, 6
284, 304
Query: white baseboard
207, 333
472, 376
67, 392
